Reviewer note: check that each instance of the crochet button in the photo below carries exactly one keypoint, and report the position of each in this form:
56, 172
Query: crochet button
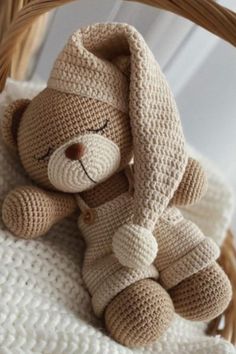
89, 217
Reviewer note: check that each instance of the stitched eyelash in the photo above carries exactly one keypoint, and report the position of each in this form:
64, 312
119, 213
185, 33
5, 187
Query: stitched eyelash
46, 156
49, 152
99, 129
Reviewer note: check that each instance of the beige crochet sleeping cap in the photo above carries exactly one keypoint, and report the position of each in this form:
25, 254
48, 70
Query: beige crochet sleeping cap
112, 63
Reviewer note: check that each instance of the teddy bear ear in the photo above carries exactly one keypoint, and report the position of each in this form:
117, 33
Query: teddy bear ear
11, 120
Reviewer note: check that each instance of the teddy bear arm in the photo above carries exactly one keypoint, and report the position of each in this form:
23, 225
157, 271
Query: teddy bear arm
29, 212
193, 185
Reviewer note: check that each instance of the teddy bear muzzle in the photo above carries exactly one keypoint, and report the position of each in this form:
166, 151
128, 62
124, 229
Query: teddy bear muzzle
82, 162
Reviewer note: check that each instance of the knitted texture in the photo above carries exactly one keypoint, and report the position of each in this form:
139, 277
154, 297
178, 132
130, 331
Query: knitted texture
73, 156
10, 126
219, 195
194, 261
30, 211
134, 246
96, 196
144, 302
97, 156
45, 306
206, 303
104, 276
62, 176
52, 117
83, 68
193, 185
183, 251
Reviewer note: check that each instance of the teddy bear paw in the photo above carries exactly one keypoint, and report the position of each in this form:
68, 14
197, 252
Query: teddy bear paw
140, 314
204, 295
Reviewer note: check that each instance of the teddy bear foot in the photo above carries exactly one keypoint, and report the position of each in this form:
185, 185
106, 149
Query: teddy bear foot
204, 295
140, 314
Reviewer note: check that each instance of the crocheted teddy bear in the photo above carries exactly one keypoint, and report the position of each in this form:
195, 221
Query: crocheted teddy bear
106, 103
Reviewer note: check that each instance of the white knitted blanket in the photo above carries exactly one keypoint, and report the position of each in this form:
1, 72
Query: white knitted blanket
44, 306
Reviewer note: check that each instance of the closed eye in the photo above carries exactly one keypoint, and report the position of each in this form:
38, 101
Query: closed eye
46, 156
100, 129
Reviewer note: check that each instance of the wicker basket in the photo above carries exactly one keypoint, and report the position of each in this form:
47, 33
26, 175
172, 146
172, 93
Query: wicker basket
31, 39
205, 13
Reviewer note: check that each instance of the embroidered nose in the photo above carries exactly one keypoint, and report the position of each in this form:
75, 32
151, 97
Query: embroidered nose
75, 151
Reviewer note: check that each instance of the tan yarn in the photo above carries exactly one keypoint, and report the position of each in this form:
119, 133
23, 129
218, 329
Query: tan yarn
199, 299
121, 244
104, 276
92, 64
192, 186
84, 68
11, 122
30, 212
52, 118
114, 186
183, 249
208, 14
140, 314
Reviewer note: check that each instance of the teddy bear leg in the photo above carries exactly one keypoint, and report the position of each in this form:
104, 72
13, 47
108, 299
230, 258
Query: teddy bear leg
202, 296
186, 261
140, 314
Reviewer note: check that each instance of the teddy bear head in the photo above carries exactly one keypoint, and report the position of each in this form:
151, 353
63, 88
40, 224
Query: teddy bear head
68, 142
106, 100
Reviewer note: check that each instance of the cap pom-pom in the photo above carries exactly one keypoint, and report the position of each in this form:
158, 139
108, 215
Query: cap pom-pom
134, 246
